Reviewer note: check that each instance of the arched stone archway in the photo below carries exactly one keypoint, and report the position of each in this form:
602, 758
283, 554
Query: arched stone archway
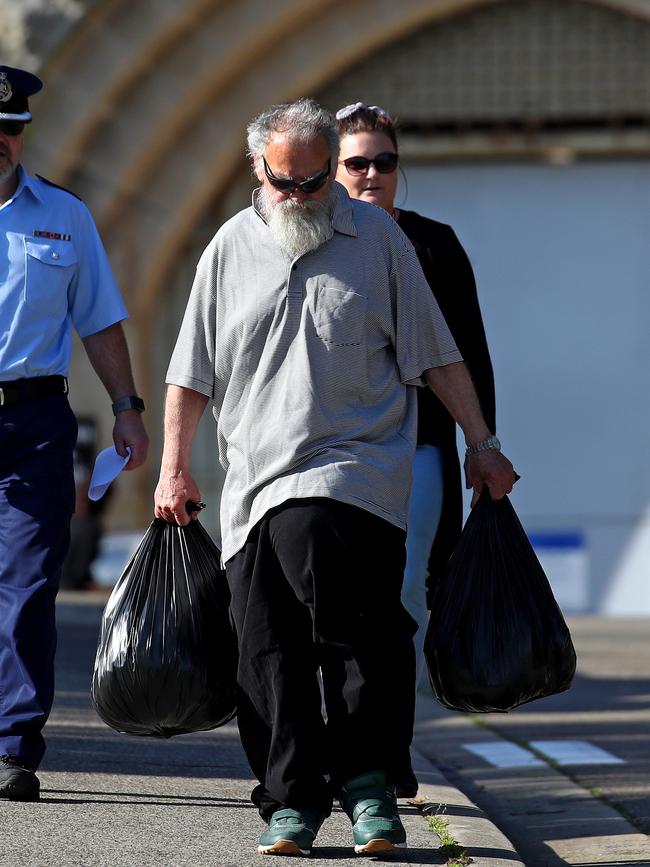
182, 112
152, 143
149, 101
146, 104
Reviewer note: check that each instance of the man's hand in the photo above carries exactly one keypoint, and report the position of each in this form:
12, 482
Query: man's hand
109, 356
128, 430
493, 469
174, 489
183, 409
453, 385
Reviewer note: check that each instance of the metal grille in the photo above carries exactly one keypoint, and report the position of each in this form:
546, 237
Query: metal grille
534, 61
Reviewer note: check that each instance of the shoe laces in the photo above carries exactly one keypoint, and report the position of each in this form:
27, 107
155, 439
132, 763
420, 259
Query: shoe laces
371, 801
377, 808
287, 816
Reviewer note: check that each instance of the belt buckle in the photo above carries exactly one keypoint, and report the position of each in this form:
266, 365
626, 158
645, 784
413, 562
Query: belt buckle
2, 397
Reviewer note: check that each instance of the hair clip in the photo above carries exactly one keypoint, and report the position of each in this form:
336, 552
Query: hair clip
342, 113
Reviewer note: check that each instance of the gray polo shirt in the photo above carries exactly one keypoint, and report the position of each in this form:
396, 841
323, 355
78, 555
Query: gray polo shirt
310, 362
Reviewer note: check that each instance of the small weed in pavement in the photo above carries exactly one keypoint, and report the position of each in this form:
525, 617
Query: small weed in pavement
455, 855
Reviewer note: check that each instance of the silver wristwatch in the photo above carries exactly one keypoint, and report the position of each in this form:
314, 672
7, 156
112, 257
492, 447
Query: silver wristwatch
489, 443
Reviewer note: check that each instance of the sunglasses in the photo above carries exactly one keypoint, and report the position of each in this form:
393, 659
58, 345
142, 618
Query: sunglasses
385, 163
288, 185
11, 127
349, 110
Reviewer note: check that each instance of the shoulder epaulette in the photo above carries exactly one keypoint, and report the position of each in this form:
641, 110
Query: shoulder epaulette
58, 187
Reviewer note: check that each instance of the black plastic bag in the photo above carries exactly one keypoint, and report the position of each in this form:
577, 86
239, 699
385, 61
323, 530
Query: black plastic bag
496, 636
166, 660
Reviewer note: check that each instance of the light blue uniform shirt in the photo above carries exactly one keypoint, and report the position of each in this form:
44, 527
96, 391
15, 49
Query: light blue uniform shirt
54, 275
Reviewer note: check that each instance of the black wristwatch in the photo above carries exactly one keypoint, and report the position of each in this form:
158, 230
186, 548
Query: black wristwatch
131, 401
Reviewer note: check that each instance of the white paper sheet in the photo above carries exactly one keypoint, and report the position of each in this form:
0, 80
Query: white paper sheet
108, 466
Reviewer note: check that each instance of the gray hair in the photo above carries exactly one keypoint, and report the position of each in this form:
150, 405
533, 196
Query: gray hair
302, 121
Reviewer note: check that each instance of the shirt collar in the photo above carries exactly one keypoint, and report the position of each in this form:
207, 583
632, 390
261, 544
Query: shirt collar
27, 182
254, 200
342, 218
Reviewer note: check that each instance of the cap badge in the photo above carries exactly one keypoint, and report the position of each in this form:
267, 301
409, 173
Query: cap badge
5, 88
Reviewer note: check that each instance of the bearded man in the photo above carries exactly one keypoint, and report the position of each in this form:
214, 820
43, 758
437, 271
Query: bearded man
309, 325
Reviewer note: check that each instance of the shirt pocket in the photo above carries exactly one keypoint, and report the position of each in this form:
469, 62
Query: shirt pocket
339, 315
49, 269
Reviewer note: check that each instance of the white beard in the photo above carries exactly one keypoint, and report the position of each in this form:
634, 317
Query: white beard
298, 227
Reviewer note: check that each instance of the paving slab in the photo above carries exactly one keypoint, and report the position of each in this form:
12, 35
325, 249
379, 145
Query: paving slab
550, 819
476, 835
151, 820
110, 800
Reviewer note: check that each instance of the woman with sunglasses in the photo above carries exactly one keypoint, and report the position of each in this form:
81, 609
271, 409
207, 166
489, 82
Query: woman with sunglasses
367, 168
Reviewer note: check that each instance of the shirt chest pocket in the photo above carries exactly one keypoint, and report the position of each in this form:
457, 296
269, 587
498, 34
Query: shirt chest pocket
339, 315
49, 268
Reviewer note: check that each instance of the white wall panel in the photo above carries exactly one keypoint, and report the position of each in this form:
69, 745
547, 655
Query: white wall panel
562, 259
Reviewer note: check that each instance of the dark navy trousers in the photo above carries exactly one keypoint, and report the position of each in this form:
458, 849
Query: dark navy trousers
36, 503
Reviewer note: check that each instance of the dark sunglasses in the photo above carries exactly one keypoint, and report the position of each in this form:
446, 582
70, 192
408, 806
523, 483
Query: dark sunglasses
11, 127
384, 163
288, 185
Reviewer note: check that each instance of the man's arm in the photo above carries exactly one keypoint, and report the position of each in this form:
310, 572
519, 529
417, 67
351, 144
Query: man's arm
183, 410
453, 385
109, 356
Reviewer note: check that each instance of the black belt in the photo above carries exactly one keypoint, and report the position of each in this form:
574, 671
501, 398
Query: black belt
22, 390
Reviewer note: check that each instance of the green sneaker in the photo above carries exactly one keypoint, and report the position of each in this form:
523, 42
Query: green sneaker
290, 832
372, 808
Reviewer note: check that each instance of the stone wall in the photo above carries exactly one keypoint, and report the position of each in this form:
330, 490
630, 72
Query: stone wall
31, 29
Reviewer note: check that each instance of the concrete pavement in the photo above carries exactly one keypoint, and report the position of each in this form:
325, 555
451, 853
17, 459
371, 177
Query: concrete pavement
578, 808
109, 799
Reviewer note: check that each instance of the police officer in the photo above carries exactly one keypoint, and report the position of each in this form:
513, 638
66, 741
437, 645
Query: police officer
54, 275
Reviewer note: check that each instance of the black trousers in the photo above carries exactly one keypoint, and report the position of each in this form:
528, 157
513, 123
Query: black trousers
318, 585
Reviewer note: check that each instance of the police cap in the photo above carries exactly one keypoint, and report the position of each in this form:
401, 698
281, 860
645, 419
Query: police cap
15, 86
